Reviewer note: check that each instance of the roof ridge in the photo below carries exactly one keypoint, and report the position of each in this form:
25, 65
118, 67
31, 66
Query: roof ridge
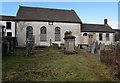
93, 24
46, 8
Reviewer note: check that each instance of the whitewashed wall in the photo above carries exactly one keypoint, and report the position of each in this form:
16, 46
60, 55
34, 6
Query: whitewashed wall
22, 25
0, 29
9, 30
111, 38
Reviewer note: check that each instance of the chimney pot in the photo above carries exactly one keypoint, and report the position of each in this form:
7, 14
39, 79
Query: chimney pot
105, 21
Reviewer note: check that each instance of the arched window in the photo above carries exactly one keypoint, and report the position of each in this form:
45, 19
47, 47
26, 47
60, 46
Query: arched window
57, 34
85, 34
29, 33
43, 36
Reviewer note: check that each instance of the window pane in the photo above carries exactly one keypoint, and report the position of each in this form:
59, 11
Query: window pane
107, 37
43, 36
57, 34
100, 36
8, 25
43, 30
57, 30
9, 34
29, 33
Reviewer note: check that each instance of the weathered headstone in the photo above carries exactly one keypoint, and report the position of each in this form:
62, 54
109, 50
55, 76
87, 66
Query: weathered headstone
62, 46
101, 47
69, 43
90, 42
99, 50
96, 47
93, 48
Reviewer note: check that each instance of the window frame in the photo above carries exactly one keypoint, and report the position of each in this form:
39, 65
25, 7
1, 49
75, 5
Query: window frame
58, 32
27, 32
43, 33
107, 37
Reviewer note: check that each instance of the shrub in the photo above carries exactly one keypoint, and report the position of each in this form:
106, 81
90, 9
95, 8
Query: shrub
111, 57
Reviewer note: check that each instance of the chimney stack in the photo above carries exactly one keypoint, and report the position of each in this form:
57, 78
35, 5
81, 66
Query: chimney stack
105, 22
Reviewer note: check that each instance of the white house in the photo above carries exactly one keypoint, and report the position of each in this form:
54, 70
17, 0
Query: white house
7, 24
99, 32
46, 25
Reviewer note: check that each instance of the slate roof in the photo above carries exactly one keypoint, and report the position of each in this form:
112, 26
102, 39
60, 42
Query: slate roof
117, 29
47, 14
96, 28
7, 18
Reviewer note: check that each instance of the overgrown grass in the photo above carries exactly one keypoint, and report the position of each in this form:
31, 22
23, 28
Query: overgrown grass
49, 64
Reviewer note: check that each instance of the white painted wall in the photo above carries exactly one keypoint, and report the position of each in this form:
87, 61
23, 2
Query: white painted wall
111, 38
22, 25
0, 29
9, 30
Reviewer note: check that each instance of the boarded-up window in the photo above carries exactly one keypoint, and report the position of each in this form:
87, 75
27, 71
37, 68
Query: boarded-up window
107, 37
57, 34
29, 33
85, 38
94, 37
100, 36
43, 36
8, 25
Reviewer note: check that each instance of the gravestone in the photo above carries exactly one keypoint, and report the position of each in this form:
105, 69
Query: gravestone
93, 48
69, 43
62, 46
101, 47
99, 50
96, 47
90, 42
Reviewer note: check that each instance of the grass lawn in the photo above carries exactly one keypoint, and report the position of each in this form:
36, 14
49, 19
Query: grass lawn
49, 64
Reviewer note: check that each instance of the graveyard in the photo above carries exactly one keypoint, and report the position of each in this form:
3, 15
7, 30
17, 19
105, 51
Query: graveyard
67, 62
51, 64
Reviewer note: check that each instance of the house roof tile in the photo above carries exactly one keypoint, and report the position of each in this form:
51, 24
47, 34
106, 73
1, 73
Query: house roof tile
46, 14
7, 18
96, 28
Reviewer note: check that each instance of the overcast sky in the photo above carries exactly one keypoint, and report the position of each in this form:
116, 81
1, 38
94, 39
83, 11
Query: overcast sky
89, 12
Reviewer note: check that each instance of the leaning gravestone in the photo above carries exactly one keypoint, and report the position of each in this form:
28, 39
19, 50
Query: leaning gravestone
96, 46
